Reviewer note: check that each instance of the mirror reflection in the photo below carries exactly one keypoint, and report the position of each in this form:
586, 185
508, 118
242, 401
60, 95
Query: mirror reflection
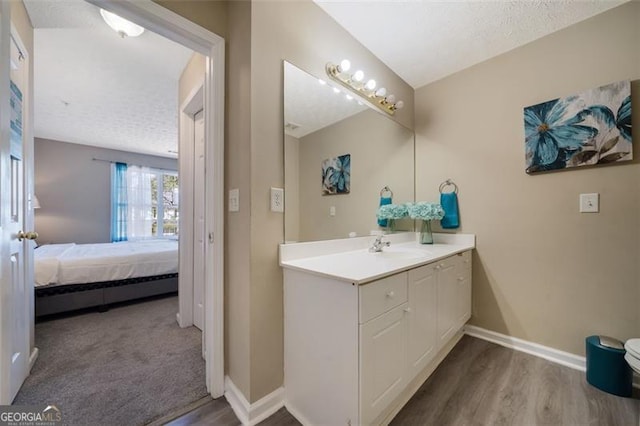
339, 155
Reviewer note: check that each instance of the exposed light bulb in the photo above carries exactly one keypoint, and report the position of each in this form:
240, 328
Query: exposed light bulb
349, 97
399, 105
391, 99
345, 65
371, 84
358, 75
381, 92
321, 81
336, 90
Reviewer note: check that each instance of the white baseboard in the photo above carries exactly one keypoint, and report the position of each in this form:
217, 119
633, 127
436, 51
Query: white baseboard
550, 354
33, 357
252, 414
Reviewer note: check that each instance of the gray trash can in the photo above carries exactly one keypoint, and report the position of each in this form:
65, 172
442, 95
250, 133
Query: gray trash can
606, 367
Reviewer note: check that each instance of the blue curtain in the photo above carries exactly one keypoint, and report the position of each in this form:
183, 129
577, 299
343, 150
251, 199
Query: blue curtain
119, 202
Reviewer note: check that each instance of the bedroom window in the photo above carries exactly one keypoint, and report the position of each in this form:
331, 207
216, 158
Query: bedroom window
144, 203
165, 204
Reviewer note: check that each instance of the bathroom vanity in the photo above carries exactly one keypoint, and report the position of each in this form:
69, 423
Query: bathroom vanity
362, 330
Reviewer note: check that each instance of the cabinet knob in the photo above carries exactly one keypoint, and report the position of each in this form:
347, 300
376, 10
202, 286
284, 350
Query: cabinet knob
438, 267
407, 310
460, 278
390, 294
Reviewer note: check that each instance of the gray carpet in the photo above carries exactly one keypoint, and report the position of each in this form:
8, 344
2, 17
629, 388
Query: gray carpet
127, 366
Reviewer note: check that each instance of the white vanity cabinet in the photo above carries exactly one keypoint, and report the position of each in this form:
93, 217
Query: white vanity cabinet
352, 351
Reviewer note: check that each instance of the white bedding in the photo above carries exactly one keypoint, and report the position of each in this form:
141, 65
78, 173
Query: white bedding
86, 263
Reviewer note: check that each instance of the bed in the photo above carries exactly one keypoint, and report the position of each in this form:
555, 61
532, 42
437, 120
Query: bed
76, 276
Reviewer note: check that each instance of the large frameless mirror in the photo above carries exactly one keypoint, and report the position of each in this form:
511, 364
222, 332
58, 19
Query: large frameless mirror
339, 155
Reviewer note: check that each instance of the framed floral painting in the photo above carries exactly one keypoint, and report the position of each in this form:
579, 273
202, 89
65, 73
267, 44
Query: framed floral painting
336, 175
590, 128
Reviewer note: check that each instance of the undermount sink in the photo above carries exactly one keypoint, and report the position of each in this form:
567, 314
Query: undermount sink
401, 253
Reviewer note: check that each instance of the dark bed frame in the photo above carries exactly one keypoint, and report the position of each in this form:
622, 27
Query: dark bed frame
54, 299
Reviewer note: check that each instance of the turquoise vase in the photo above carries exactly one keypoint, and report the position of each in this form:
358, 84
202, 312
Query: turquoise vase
426, 237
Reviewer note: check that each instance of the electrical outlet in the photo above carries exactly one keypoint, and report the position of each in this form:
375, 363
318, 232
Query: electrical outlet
234, 200
332, 211
277, 200
589, 203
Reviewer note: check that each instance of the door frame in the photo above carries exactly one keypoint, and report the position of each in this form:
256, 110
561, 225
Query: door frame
162, 21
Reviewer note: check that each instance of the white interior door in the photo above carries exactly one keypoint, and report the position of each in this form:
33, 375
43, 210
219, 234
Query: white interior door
14, 361
199, 222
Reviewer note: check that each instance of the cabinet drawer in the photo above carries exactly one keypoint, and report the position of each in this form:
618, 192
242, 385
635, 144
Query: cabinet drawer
381, 296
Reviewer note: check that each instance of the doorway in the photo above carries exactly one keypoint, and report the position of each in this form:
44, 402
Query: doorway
168, 24
159, 20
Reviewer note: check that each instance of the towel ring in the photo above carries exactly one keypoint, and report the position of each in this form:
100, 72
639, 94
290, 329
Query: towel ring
386, 189
446, 183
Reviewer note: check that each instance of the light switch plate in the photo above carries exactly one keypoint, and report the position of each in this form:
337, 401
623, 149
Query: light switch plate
277, 200
234, 200
589, 203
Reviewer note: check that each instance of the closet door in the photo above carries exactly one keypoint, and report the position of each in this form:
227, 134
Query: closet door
199, 222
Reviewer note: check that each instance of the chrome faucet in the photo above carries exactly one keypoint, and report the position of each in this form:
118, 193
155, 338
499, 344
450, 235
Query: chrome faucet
378, 244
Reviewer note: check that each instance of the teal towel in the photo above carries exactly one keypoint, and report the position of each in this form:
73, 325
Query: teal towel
383, 202
449, 202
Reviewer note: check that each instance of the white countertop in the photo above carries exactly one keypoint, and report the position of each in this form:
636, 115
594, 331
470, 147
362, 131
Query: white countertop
350, 260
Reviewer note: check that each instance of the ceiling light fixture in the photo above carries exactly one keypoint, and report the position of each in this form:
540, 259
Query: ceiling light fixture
353, 82
120, 25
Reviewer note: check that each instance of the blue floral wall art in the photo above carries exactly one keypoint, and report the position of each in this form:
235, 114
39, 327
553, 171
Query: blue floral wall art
336, 175
590, 128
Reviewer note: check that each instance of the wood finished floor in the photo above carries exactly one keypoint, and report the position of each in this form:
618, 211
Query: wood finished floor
480, 383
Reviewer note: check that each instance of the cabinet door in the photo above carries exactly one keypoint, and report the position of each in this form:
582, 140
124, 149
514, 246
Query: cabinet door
463, 273
421, 318
447, 299
383, 354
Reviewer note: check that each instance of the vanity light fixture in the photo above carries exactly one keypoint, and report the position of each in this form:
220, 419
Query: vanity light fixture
365, 90
120, 25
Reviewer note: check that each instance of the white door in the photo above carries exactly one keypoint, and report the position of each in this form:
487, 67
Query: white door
14, 342
422, 339
199, 222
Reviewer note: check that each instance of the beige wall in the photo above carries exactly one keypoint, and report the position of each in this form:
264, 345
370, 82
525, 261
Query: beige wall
259, 36
209, 14
292, 184
381, 155
192, 77
542, 271
238, 236
301, 33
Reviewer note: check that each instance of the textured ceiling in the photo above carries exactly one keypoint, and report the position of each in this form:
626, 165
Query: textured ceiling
423, 41
311, 105
94, 88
